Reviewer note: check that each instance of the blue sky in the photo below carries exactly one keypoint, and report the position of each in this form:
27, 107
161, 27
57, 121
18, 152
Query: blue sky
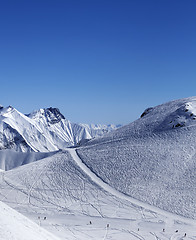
100, 61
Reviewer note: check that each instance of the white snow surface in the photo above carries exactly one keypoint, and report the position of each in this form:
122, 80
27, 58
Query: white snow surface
44, 130
15, 226
118, 194
62, 195
152, 159
137, 182
11, 159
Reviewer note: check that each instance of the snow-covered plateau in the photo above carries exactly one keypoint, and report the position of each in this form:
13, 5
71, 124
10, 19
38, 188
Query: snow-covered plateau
137, 182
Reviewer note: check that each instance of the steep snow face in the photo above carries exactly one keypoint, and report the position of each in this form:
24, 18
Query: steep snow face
49, 115
62, 132
54, 126
22, 133
44, 130
152, 159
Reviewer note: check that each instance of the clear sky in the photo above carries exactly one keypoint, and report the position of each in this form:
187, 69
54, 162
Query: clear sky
98, 61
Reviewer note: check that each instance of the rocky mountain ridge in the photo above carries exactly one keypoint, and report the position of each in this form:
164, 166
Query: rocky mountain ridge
44, 130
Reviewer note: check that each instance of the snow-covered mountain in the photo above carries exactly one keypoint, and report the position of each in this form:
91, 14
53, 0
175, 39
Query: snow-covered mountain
44, 130
137, 182
152, 159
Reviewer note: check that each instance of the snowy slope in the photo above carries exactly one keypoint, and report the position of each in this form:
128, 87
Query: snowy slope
152, 159
131, 179
21, 133
14, 226
44, 130
10, 159
79, 206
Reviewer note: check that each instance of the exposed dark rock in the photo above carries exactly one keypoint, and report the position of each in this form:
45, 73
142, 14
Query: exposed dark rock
53, 115
179, 125
148, 110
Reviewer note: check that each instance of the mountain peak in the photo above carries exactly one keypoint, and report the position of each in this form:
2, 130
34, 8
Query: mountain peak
52, 115
43, 130
6, 110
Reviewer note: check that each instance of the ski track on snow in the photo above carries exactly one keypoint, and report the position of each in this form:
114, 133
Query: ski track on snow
118, 194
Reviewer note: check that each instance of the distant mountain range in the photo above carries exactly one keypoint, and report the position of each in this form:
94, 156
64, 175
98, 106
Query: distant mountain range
44, 130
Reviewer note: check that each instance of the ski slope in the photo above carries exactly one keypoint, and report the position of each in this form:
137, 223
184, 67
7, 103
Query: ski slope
118, 194
152, 159
137, 182
70, 196
14, 226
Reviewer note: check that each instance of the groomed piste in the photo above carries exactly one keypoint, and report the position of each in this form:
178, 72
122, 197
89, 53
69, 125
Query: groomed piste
136, 182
